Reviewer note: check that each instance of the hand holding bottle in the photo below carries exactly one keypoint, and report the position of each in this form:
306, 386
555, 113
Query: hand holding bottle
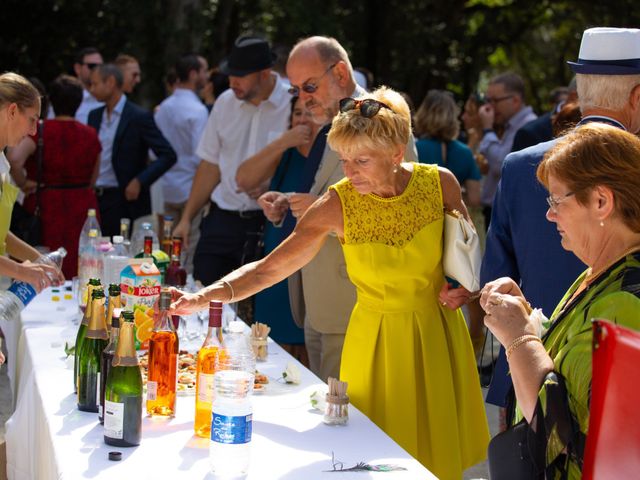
38, 275
184, 303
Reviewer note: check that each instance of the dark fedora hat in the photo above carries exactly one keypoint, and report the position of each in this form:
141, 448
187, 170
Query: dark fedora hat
609, 51
249, 54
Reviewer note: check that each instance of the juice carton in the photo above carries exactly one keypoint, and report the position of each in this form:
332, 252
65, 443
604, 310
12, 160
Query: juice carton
140, 285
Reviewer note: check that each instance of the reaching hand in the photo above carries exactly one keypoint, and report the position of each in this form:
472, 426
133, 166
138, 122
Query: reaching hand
453, 297
183, 303
38, 275
182, 230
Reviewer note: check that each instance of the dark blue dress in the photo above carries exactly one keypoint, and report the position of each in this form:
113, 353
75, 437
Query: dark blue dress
459, 158
272, 304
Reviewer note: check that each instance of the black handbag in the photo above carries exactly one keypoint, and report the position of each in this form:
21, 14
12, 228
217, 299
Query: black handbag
513, 455
28, 226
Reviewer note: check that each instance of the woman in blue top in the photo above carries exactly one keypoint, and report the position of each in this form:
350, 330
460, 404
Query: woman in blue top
272, 305
436, 126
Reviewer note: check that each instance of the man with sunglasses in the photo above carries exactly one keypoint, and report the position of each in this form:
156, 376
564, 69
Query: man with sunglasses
504, 107
86, 60
320, 72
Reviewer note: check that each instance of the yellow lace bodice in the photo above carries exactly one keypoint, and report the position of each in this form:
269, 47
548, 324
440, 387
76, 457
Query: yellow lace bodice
391, 221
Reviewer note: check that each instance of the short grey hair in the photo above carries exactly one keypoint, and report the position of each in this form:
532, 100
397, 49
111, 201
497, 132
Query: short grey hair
605, 91
107, 70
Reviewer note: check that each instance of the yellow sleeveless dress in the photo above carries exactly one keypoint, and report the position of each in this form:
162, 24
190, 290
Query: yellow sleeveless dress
409, 360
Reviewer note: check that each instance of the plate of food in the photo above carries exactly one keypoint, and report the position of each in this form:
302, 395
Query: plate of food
260, 382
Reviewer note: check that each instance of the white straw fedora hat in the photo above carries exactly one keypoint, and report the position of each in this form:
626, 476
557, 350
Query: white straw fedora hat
609, 51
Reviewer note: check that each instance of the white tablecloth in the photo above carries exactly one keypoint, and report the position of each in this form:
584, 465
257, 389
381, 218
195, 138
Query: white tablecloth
48, 438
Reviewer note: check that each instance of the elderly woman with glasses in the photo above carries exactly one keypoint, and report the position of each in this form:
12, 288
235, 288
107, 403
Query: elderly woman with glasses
407, 357
593, 178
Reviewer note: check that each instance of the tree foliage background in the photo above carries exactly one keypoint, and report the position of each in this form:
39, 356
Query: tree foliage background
411, 45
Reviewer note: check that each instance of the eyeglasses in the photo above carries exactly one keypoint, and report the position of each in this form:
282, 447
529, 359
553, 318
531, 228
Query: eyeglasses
91, 66
309, 87
497, 100
554, 202
368, 107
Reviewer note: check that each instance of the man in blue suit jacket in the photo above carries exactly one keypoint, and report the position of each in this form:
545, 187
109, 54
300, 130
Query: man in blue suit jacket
126, 132
521, 242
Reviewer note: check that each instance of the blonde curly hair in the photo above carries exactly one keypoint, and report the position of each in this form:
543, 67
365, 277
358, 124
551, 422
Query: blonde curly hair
351, 132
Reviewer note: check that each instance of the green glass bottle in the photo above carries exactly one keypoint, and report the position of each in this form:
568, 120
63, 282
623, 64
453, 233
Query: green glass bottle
123, 392
90, 356
94, 283
113, 302
107, 356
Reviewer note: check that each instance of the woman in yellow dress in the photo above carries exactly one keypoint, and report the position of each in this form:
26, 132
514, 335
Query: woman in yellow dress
407, 356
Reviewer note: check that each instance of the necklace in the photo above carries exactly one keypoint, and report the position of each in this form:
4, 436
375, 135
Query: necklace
591, 275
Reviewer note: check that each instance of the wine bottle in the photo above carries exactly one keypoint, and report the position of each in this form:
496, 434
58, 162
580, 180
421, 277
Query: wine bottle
163, 362
114, 302
94, 283
176, 274
90, 356
107, 357
210, 353
123, 391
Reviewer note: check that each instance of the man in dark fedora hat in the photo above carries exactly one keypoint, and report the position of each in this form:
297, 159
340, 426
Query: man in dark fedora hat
521, 243
245, 119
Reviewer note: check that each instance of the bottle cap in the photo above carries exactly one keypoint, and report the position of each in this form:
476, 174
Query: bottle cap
91, 212
115, 456
118, 239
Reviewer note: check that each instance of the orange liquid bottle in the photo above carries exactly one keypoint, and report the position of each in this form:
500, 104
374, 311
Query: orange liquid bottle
163, 363
210, 353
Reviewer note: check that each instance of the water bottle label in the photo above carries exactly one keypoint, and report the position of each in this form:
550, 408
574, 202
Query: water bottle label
23, 291
234, 430
113, 419
205, 387
152, 390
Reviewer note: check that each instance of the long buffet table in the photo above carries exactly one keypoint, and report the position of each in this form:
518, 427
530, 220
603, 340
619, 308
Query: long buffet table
48, 438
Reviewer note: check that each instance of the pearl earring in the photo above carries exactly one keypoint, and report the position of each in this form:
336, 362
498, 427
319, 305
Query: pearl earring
395, 169
601, 223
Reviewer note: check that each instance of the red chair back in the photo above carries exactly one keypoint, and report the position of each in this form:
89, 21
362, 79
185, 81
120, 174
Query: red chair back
613, 442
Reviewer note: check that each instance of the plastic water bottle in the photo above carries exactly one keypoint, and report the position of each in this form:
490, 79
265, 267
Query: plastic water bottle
231, 420
137, 241
115, 261
89, 263
20, 293
91, 223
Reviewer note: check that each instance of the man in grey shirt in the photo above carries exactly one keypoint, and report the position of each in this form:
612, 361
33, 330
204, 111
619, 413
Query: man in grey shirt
505, 108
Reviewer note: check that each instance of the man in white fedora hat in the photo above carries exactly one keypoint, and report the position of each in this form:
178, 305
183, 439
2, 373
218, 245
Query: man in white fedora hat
521, 243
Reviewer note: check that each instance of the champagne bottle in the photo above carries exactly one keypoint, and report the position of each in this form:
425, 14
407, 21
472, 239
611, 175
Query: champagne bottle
163, 362
107, 357
93, 284
123, 392
90, 355
211, 351
114, 302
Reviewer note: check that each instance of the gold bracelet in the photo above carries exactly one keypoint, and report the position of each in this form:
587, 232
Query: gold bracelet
233, 294
518, 342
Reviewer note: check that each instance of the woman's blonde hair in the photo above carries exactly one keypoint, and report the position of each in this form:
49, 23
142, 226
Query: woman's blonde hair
351, 132
597, 154
16, 89
437, 116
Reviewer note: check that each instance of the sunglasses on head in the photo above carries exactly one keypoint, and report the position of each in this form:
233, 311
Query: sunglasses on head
368, 107
309, 87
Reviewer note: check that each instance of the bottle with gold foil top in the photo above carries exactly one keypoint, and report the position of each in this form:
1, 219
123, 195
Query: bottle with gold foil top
123, 391
90, 355
114, 302
163, 362
93, 284
210, 353
107, 357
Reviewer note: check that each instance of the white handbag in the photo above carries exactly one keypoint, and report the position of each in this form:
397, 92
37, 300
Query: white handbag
462, 256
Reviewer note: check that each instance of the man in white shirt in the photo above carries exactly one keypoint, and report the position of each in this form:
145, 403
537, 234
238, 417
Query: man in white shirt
182, 118
245, 119
87, 59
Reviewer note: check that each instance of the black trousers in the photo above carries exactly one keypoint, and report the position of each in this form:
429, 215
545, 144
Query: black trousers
228, 239
114, 206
